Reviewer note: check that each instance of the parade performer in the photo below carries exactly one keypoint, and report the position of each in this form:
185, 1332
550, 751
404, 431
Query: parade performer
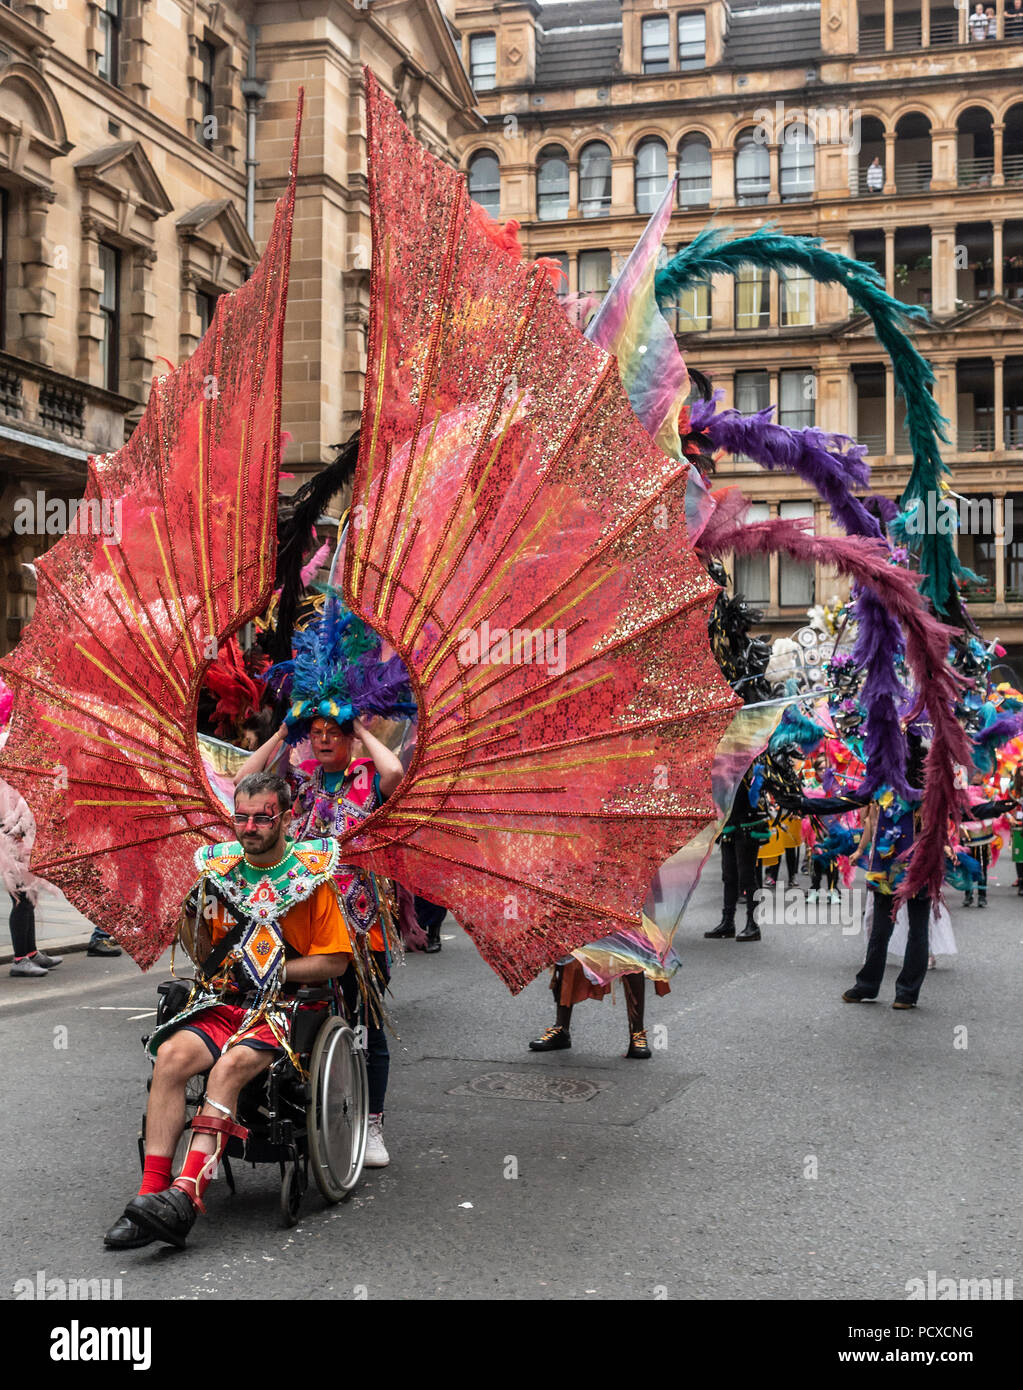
570, 986
745, 830
262, 919
337, 663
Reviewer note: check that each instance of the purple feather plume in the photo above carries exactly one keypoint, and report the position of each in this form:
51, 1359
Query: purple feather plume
832, 464
1001, 730
380, 687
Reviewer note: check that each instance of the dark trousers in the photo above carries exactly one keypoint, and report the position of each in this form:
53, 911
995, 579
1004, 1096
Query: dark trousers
429, 916
23, 925
378, 1056
818, 869
984, 855
914, 966
739, 870
770, 874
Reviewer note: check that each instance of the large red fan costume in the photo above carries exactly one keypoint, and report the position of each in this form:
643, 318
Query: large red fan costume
516, 536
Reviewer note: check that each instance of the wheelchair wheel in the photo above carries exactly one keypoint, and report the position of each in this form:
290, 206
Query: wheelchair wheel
338, 1114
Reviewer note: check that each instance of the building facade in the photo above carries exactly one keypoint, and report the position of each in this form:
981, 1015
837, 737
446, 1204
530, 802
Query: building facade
143, 144
892, 129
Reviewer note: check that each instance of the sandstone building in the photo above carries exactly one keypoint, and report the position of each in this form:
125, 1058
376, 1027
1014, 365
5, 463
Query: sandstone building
131, 197
775, 112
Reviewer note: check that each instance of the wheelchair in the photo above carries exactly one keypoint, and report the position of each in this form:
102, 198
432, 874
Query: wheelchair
317, 1122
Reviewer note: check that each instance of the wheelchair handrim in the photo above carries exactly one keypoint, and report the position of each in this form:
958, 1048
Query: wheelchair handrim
338, 1115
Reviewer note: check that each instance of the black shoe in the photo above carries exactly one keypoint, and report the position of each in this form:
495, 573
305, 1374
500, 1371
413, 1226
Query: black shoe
125, 1235
982, 900
638, 1045
169, 1215
552, 1040
723, 929
852, 996
103, 948
967, 900
432, 945
750, 932
903, 1004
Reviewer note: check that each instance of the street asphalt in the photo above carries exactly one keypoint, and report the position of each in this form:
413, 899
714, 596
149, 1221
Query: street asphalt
779, 1144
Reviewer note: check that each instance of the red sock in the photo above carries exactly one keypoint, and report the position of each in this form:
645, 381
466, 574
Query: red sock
156, 1176
189, 1180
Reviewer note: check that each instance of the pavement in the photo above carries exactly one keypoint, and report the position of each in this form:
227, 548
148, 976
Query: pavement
60, 928
779, 1144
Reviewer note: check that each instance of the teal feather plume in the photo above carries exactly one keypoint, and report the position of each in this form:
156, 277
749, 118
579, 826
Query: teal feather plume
712, 253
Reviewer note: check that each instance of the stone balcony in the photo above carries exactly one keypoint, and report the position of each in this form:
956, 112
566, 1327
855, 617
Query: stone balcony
50, 423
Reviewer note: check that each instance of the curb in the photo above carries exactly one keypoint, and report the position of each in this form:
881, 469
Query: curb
56, 945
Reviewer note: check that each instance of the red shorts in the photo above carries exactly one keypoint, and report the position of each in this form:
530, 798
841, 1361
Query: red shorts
217, 1024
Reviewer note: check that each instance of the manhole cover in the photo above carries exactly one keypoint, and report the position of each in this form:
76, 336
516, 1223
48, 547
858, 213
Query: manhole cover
508, 1085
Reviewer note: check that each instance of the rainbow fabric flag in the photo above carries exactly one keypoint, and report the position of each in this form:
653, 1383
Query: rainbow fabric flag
630, 326
649, 946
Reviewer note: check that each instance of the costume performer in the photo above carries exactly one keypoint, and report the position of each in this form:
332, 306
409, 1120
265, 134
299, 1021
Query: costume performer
263, 918
745, 830
570, 986
337, 661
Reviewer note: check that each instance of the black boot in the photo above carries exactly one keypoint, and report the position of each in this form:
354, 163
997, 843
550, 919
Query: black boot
750, 932
634, 989
726, 927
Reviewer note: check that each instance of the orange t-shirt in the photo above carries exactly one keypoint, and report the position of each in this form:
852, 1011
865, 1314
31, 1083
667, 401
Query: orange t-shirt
315, 927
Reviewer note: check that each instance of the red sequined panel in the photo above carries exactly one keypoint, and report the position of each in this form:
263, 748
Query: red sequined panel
103, 737
522, 542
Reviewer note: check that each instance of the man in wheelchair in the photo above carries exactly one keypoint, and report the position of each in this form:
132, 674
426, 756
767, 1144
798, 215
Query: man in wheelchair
262, 920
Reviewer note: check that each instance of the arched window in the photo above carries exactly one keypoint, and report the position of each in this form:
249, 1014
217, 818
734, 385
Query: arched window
797, 155
694, 172
552, 184
595, 179
651, 174
752, 170
485, 181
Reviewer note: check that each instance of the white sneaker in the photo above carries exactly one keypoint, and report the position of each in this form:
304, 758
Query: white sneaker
27, 967
376, 1154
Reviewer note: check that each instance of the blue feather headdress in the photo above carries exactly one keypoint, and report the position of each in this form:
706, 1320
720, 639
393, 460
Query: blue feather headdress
336, 673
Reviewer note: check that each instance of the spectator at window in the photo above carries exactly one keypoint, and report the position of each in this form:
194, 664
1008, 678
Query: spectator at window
978, 23
992, 22
875, 175
1014, 21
